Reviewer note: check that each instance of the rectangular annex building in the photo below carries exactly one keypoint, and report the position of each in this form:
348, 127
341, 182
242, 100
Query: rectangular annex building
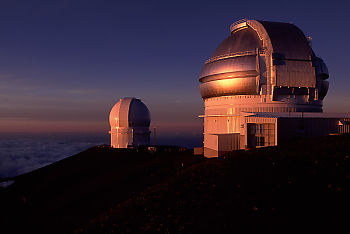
269, 129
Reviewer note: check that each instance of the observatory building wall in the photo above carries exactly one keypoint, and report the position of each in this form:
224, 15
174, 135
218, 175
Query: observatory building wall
269, 129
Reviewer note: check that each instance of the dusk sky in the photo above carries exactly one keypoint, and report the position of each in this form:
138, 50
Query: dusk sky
64, 64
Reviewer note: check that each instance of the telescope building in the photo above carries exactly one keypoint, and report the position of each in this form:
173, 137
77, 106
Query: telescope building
129, 120
264, 85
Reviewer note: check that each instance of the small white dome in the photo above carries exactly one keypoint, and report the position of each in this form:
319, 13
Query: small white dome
129, 112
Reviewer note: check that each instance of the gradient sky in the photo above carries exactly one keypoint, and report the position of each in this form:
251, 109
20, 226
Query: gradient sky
63, 64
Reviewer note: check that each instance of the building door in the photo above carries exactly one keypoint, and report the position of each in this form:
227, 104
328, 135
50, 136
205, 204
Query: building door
251, 142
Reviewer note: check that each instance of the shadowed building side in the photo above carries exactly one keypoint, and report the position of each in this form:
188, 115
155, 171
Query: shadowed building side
129, 120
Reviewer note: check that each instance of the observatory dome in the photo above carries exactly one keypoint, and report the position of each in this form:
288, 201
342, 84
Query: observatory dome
129, 112
261, 69
259, 57
129, 120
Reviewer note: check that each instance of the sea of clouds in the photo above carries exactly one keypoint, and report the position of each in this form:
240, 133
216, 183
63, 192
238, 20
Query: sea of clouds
20, 153
23, 153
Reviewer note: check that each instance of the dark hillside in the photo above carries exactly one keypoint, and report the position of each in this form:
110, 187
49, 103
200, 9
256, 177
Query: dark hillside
302, 186
67, 194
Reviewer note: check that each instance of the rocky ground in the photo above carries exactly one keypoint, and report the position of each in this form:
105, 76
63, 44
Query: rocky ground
300, 186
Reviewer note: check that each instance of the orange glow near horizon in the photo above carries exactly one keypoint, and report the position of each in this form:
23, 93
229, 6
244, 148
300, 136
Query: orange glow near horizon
34, 126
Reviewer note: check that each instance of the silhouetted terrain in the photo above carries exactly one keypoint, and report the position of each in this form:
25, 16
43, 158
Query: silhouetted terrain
302, 186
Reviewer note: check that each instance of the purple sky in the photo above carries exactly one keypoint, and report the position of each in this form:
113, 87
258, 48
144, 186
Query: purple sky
63, 64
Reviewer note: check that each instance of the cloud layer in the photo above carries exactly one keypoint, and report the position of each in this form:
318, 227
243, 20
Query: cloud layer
22, 154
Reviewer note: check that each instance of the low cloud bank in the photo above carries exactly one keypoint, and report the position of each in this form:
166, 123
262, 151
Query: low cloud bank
24, 154
20, 154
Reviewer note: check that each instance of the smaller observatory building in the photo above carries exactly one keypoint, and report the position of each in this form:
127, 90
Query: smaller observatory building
129, 120
264, 85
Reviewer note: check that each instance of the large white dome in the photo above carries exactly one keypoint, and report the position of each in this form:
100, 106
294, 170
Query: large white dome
262, 58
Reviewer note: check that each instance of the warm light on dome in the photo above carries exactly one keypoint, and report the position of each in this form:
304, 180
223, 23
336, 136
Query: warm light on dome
129, 120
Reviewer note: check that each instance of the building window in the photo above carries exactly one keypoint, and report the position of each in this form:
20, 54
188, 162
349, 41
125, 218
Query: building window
260, 134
